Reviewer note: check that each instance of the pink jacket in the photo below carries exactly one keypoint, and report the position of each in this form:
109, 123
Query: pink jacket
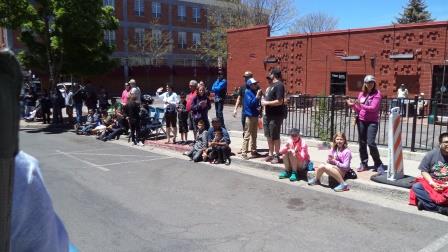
299, 147
368, 110
125, 96
341, 159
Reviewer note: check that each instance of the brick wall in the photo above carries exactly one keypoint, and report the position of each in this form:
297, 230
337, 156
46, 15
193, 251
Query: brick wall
307, 61
246, 52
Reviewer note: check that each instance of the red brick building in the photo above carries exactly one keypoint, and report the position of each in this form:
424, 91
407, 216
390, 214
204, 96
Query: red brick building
336, 62
182, 20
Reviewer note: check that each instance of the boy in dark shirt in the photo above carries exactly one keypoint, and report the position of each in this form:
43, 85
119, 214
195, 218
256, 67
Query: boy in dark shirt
218, 151
182, 116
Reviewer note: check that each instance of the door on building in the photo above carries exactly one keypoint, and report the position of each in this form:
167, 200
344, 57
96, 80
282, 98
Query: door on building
440, 83
338, 81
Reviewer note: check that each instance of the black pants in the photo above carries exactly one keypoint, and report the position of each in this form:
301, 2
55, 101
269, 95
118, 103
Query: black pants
57, 115
115, 133
46, 116
219, 153
219, 107
135, 130
367, 134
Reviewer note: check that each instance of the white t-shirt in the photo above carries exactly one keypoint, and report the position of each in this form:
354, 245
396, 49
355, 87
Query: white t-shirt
167, 98
137, 93
402, 93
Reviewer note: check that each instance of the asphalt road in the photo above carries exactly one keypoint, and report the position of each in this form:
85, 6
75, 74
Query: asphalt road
119, 198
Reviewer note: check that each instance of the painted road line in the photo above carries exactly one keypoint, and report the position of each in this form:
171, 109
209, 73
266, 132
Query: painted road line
109, 154
83, 161
436, 245
137, 161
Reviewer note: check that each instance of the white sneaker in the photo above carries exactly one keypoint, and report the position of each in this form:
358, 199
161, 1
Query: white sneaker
140, 144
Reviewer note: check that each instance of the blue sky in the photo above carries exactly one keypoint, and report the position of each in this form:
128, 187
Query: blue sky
367, 13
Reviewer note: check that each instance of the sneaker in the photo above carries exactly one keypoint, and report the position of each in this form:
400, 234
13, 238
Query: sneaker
362, 168
140, 144
284, 174
275, 160
313, 181
293, 177
255, 154
228, 161
420, 206
380, 169
443, 210
268, 158
245, 157
341, 187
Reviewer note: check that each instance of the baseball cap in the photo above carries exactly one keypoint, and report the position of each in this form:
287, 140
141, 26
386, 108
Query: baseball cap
251, 81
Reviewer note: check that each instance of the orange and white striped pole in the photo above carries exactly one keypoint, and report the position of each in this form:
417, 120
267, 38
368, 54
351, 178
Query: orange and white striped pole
395, 169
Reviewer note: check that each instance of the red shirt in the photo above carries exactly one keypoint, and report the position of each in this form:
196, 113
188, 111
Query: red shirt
190, 98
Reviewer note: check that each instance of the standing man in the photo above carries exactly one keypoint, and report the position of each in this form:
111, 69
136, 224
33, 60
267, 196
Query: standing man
430, 191
251, 111
402, 93
78, 97
220, 90
274, 114
240, 100
125, 93
190, 97
135, 91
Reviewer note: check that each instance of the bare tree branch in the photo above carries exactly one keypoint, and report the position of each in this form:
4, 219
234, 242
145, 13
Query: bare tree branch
314, 22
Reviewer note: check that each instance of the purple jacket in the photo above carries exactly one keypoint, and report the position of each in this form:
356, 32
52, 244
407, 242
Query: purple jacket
341, 159
368, 110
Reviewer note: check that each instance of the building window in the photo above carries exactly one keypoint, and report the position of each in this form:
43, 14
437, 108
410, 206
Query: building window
109, 3
196, 15
156, 35
156, 9
139, 7
109, 37
182, 39
196, 39
139, 36
181, 13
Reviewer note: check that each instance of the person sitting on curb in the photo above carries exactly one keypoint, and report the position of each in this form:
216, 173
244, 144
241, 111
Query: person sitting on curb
337, 165
251, 112
200, 144
93, 120
295, 155
430, 192
218, 151
216, 125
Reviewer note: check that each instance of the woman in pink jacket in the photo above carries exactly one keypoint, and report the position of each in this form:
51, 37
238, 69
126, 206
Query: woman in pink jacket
295, 155
367, 107
337, 165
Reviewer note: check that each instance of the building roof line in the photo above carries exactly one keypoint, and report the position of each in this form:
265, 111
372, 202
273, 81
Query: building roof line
358, 30
256, 27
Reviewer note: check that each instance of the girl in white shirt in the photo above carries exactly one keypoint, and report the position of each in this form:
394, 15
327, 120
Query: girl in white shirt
170, 100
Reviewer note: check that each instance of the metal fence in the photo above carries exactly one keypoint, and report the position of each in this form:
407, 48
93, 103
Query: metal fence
422, 120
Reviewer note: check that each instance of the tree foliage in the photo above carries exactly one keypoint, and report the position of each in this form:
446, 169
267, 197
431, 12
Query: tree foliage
234, 14
314, 22
414, 12
62, 36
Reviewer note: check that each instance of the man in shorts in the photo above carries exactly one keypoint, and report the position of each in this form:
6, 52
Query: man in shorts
274, 114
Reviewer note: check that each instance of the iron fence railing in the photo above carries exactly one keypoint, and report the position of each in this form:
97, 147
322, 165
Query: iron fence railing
422, 120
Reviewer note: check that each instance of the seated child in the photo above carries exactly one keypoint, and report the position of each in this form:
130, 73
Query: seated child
114, 130
218, 151
199, 146
337, 165
295, 155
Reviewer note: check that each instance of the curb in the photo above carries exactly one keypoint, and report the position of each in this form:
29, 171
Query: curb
383, 190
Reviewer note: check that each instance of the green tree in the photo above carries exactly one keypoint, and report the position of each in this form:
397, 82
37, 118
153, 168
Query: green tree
61, 36
414, 12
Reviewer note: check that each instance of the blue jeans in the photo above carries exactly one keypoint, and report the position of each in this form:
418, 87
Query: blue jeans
422, 195
78, 107
219, 107
367, 134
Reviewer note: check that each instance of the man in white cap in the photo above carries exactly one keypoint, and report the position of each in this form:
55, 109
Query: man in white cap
240, 100
135, 91
251, 111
